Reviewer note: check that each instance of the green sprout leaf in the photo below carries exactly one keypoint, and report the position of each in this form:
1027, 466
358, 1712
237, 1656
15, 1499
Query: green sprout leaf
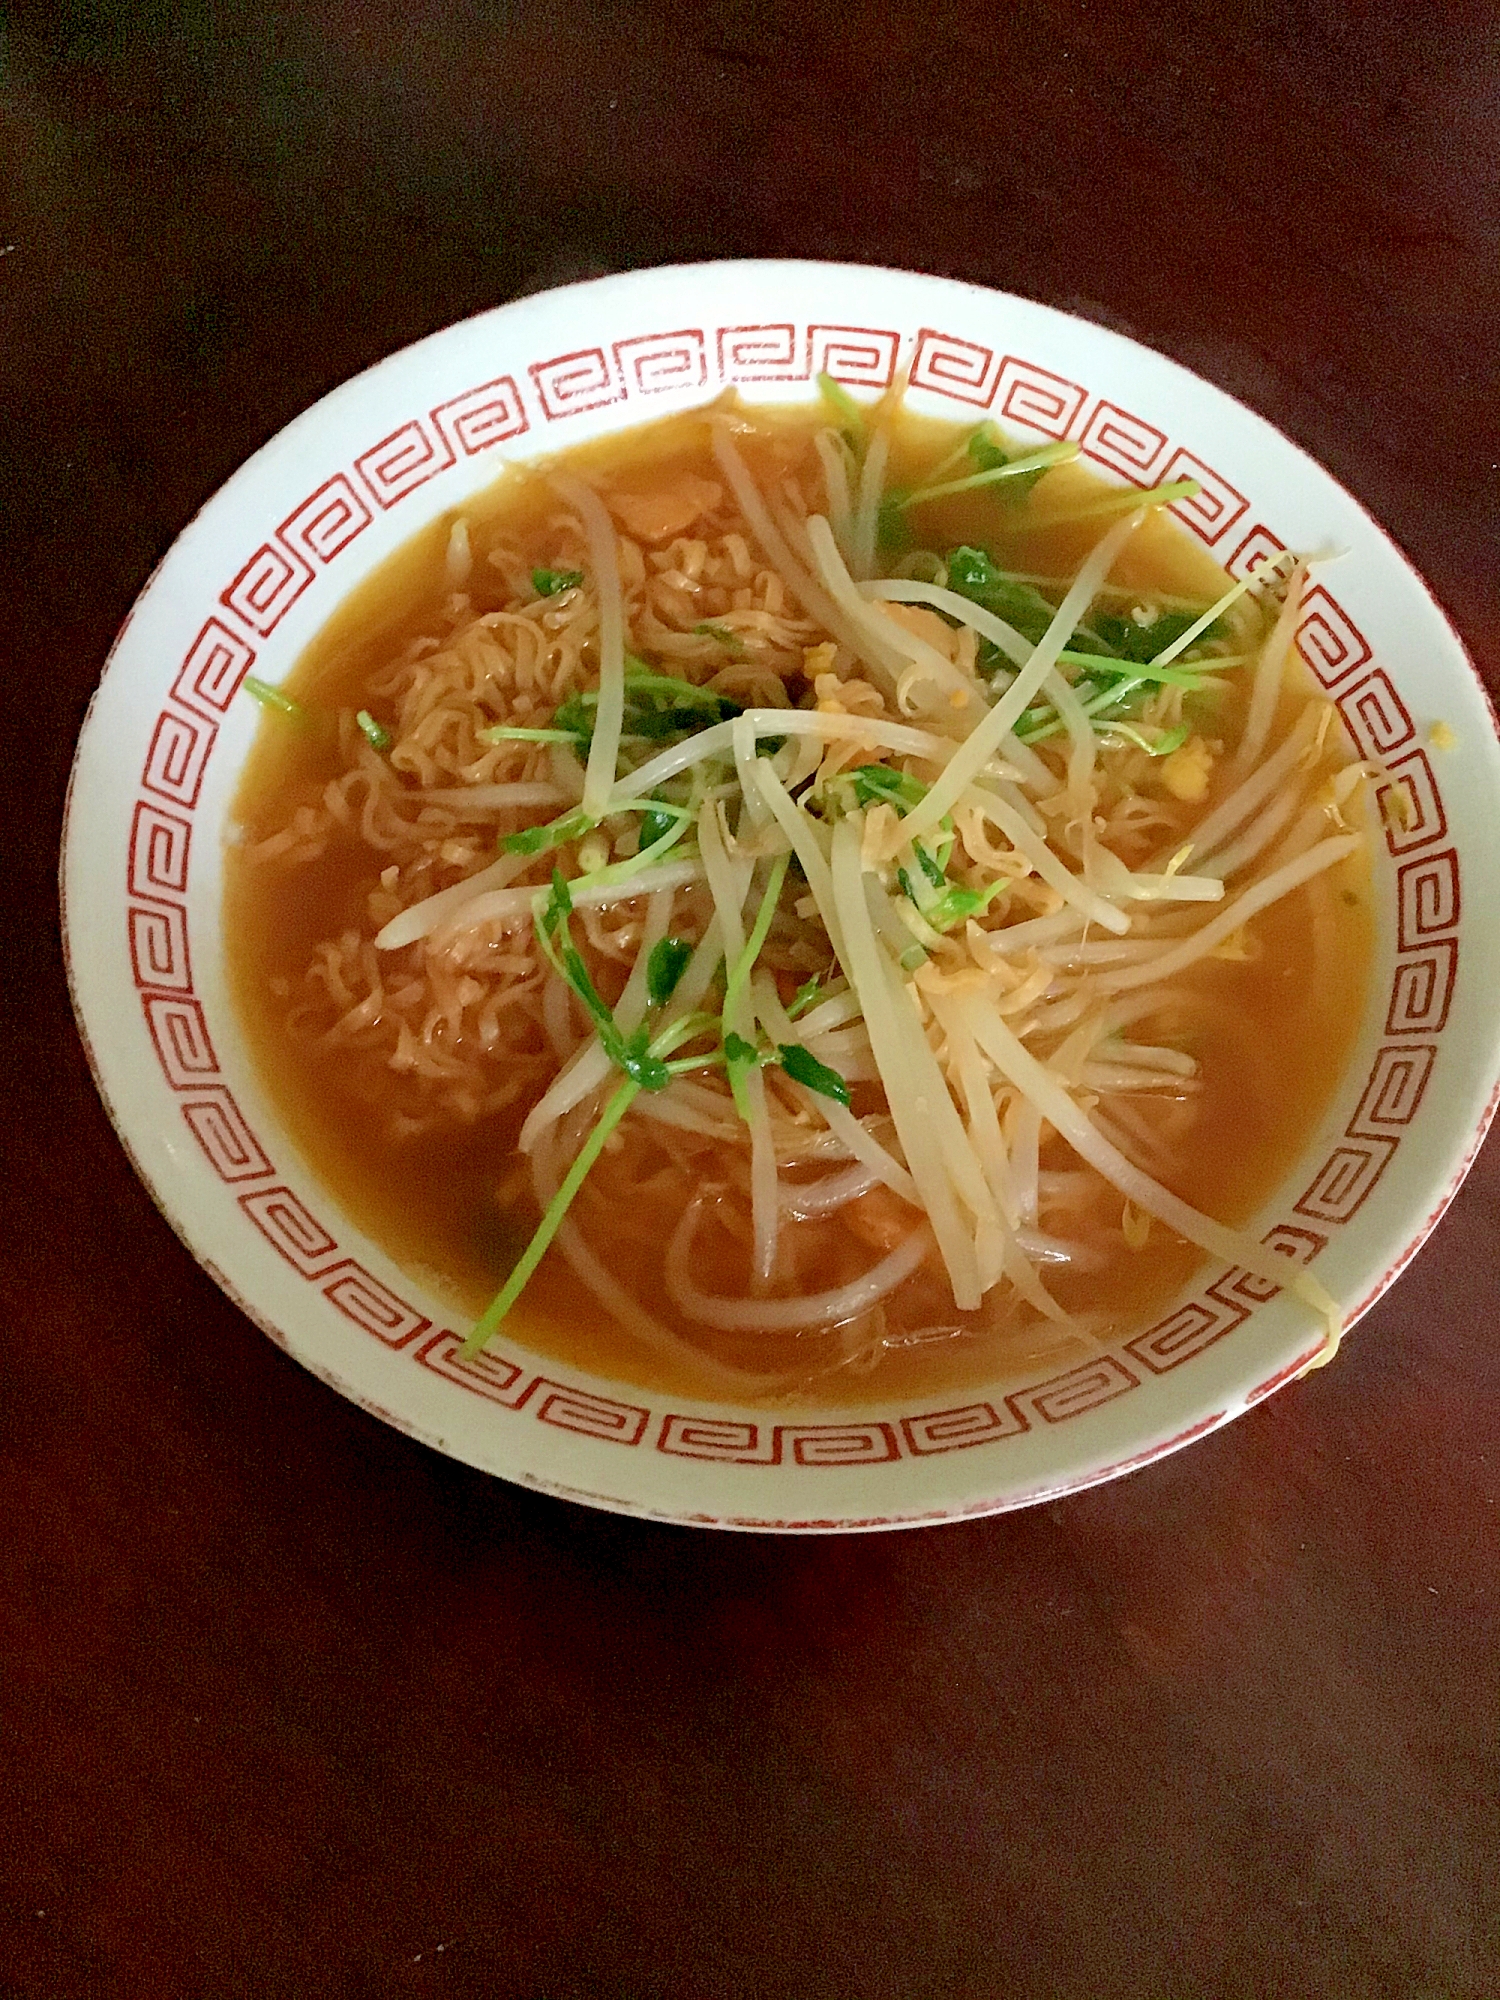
956, 905
630, 1053
1140, 644
665, 967
983, 451
843, 405
803, 1067
807, 995
538, 839
378, 737
893, 533
740, 1057
876, 784
553, 582
929, 866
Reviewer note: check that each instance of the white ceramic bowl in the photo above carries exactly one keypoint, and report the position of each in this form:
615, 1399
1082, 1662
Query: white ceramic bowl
256, 574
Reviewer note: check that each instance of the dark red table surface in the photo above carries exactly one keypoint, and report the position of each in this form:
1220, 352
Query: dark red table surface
288, 1704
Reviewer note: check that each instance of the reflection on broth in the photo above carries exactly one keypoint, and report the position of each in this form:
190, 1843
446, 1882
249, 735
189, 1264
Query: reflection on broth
905, 1042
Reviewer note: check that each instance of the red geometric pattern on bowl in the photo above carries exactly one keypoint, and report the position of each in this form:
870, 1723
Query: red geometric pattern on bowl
839, 1444
1257, 547
1114, 438
962, 1428
724, 1441
754, 1443
1186, 1332
963, 370
219, 1126
1376, 716
967, 373
209, 677
1411, 809
571, 383
289, 1226
1300, 1244
1341, 1186
1211, 513
862, 356
370, 1304
1071, 1394
656, 361
1331, 644
159, 947
327, 520
1028, 394
178, 756
159, 846
488, 1374
571, 1409
758, 353
483, 416
1022, 392
405, 460
1429, 899
1393, 1093
267, 587
180, 1036
1422, 990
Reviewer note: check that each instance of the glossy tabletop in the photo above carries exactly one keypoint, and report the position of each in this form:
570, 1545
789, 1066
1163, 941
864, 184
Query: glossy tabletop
289, 1705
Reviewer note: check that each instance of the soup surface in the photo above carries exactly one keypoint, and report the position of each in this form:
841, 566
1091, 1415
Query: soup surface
404, 1071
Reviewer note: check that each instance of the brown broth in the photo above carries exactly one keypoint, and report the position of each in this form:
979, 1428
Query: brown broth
1273, 1039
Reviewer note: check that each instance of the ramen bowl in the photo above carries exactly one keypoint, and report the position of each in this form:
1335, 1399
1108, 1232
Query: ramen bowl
251, 581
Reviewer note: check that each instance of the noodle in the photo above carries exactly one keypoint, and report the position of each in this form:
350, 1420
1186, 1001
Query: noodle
757, 915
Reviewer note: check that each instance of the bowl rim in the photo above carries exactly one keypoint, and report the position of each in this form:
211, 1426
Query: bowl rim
307, 424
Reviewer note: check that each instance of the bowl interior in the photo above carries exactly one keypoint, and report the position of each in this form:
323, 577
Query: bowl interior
261, 568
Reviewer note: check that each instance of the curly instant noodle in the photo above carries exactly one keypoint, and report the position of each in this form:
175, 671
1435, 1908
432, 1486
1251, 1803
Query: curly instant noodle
818, 881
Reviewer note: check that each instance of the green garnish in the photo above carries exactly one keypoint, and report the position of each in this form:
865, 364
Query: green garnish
983, 453
744, 965
630, 1053
553, 582
807, 995
740, 1057
956, 905
551, 1222
665, 967
974, 574
1127, 500
893, 535
375, 735
878, 784
843, 405
1031, 462
730, 641
929, 866
504, 732
658, 823
1140, 644
642, 1060
537, 839
656, 706
1160, 746
272, 698
803, 1067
